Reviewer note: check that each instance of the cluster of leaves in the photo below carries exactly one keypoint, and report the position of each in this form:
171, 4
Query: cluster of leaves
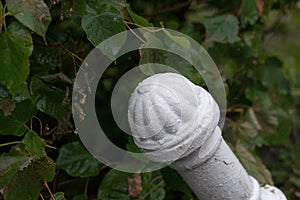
43, 43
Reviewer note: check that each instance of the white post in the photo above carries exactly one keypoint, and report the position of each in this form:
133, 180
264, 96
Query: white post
175, 122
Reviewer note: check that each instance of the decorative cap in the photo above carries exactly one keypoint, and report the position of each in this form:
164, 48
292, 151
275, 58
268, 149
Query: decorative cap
170, 117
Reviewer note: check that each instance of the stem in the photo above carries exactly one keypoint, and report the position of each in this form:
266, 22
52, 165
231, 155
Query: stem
86, 186
46, 185
10, 143
71, 53
42, 196
51, 147
150, 191
40, 122
135, 33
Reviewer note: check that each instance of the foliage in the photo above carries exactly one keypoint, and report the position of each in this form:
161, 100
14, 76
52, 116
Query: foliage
43, 43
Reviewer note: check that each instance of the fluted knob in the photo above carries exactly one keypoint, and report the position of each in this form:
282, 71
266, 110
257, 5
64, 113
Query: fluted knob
170, 117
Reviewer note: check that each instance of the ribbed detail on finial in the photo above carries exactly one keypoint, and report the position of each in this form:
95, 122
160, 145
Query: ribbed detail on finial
169, 116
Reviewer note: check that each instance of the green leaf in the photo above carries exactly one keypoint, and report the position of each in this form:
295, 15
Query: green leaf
175, 182
76, 161
15, 123
10, 165
49, 99
277, 82
45, 57
80, 197
59, 80
222, 28
34, 144
33, 14
253, 165
158, 194
102, 21
139, 20
249, 14
181, 40
26, 183
79, 7
114, 186
45, 168
59, 196
15, 49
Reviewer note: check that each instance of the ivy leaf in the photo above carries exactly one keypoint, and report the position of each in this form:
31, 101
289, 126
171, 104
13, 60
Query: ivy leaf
49, 99
139, 19
15, 123
114, 186
80, 197
59, 196
101, 21
26, 184
45, 168
122, 183
249, 14
33, 14
222, 28
15, 49
10, 164
76, 161
34, 144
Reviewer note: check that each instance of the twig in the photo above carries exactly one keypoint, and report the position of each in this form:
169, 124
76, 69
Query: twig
46, 185
10, 143
135, 33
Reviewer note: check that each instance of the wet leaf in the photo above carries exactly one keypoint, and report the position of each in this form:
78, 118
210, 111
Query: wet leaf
15, 124
33, 14
76, 161
48, 98
15, 49
101, 21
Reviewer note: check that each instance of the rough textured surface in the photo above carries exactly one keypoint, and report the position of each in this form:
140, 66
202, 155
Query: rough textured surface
174, 121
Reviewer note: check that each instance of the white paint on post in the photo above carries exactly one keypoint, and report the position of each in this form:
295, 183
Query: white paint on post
175, 122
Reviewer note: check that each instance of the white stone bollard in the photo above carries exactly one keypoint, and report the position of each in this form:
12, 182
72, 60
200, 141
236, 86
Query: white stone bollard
175, 122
